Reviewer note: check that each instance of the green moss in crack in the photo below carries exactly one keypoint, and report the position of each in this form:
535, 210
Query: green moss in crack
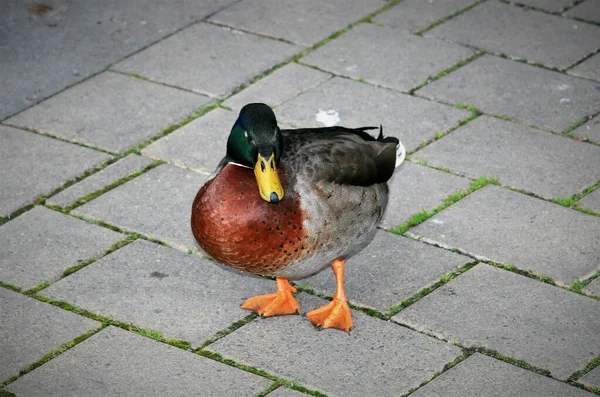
10, 287
220, 334
519, 363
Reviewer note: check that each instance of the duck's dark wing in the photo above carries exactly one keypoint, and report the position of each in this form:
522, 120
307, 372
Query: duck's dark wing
341, 155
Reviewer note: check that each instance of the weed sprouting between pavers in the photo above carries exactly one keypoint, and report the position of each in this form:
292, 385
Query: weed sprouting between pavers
290, 384
466, 353
572, 201
574, 378
56, 352
448, 201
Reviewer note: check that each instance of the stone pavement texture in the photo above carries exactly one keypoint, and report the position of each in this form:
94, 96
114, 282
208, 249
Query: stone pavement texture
483, 280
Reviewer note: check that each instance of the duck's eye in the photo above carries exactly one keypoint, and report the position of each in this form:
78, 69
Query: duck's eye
246, 135
262, 166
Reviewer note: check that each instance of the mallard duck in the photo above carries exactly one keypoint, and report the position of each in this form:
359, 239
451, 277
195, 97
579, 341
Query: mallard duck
288, 203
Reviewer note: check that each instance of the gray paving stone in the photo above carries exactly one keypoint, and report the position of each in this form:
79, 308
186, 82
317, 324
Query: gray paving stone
183, 296
593, 288
513, 228
415, 58
29, 329
411, 119
592, 201
544, 98
199, 145
306, 22
40, 244
590, 68
522, 318
76, 39
121, 169
208, 59
592, 378
281, 85
157, 204
588, 10
591, 130
481, 375
548, 5
415, 15
285, 392
33, 165
115, 362
392, 268
287, 346
415, 188
525, 158
111, 111
526, 34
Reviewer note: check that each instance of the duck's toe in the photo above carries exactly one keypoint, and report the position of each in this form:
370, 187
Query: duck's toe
335, 314
280, 303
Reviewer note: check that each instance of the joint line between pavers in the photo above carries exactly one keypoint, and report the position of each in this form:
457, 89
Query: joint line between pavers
448, 17
149, 80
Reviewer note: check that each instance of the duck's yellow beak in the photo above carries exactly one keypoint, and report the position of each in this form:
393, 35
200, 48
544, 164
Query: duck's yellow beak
267, 179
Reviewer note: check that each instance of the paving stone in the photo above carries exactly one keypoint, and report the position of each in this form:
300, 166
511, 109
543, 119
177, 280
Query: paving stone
548, 5
157, 204
281, 85
530, 94
33, 165
285, 392
183, 296
111, 111
411, 119
481, 375
121, 169
525, 158
115, 362
415, 188
286, 346
306, 22
199, 145
40, 244
588, 10
592, 378
392, 268
513, 228
415, 15
526, 34
593, 288
591, 130
592, 201
29, 329
590, 68
522, 318
208, 59
74, 39
415, 58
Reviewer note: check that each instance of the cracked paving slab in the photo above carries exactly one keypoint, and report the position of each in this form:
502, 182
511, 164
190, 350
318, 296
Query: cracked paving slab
287, 346
522, 318
115, 362
181, 295
512, 228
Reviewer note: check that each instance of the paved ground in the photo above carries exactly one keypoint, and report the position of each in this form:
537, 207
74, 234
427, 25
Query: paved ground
484, 279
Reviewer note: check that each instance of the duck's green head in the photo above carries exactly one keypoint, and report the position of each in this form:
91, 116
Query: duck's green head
255, 141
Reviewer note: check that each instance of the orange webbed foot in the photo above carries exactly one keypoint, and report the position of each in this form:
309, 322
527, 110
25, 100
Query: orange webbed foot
335, 314
280, 303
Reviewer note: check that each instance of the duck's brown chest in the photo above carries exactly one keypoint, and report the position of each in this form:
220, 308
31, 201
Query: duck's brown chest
236, 227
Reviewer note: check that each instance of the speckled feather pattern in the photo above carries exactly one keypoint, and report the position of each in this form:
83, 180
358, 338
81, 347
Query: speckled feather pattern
323, 216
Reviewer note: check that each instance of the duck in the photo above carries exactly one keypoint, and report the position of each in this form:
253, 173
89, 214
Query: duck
288, 203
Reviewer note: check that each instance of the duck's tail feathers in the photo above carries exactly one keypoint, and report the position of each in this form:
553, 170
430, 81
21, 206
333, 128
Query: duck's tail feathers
400, 149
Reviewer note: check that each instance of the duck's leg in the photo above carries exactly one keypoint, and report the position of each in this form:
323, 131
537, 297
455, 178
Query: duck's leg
279, 303
335, 314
